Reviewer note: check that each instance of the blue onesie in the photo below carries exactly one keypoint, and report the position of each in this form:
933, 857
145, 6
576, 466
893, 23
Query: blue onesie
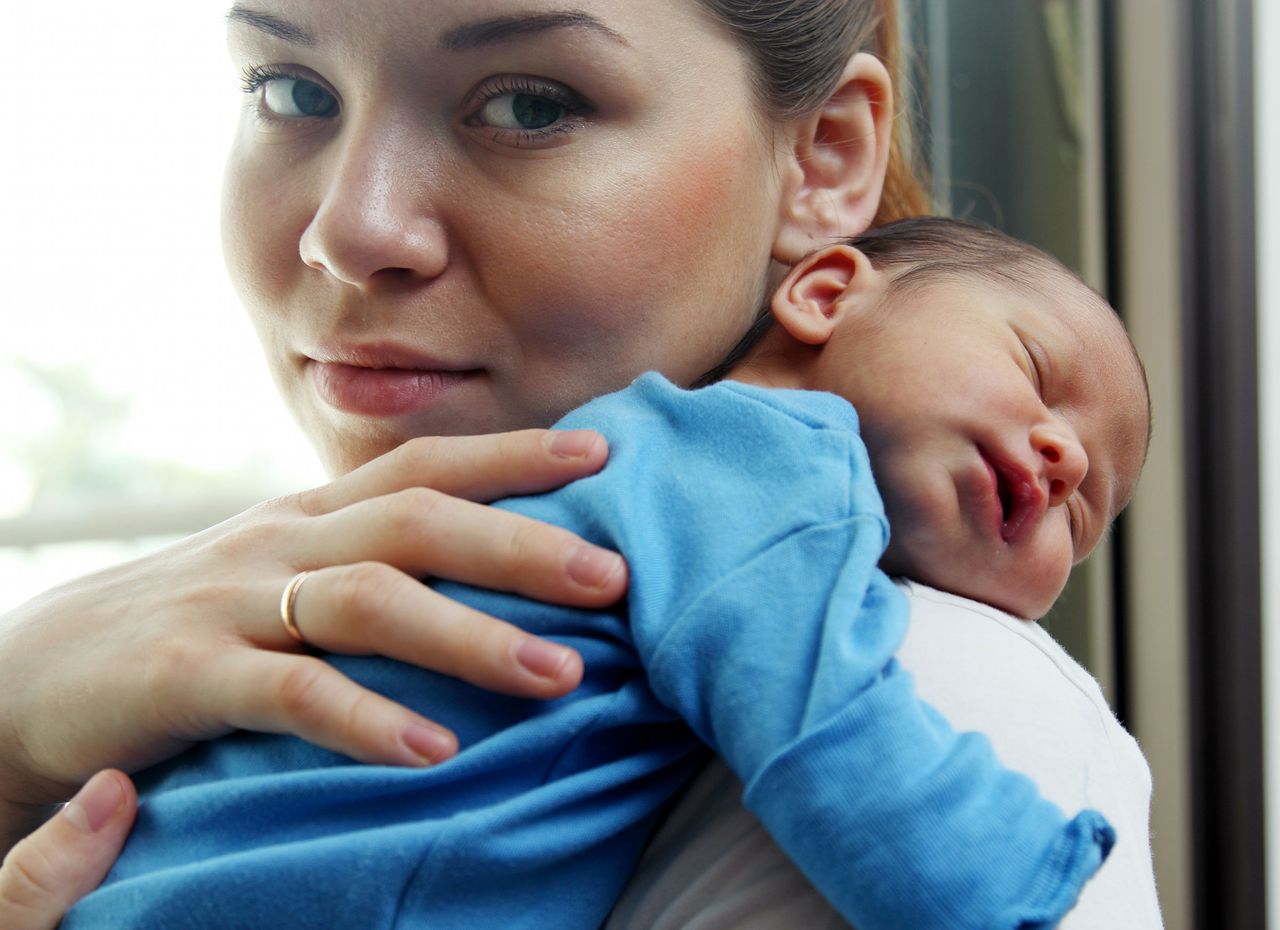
757, 624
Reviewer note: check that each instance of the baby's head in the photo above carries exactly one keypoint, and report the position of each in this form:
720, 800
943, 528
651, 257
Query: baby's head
1003, 405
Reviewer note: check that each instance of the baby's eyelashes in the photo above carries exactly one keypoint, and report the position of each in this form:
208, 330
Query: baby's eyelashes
1074, 525
1033, 368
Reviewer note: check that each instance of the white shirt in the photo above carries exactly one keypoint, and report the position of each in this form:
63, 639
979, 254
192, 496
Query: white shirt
711, 866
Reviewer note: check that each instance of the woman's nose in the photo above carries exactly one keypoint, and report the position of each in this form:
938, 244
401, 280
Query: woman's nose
1063, 460
374, 222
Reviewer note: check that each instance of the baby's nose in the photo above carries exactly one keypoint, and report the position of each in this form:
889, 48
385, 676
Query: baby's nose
1063, 460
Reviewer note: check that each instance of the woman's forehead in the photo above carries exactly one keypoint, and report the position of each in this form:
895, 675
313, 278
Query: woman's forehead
669, 49
458, 25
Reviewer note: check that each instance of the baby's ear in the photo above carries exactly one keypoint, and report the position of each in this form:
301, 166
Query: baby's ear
822, 289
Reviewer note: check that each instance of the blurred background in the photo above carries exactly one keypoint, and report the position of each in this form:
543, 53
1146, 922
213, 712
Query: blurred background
1128, 137
135, 404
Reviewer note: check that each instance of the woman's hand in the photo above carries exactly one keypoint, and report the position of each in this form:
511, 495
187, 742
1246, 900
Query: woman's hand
127, 667
66, 858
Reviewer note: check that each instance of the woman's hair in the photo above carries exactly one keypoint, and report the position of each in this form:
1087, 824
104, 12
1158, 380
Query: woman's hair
800, 49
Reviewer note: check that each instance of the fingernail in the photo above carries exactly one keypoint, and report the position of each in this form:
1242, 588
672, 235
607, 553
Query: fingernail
544, 659
95, 803
430, 743
592, 567
572, 443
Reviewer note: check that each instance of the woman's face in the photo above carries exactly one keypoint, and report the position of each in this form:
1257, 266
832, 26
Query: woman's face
467, 216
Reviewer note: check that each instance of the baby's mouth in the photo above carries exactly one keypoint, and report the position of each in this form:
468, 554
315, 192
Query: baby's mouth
1022, 500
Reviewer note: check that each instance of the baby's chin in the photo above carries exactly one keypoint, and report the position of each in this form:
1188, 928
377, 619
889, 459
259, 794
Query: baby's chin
1013, 600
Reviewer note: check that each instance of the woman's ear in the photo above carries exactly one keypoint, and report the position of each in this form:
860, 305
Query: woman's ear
822, 290
836, 160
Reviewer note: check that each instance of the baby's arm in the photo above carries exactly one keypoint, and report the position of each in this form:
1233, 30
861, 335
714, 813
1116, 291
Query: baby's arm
711, 864
897, 819
753, 531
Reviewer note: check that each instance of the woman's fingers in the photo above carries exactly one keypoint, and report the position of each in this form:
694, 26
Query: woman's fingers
273, 692
371, 608
68, 857
479, 468
425, 532
187, 643
413, 508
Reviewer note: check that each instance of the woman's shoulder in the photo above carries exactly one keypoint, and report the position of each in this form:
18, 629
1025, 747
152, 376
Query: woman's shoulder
1016, 653
1047, 717
1045, 714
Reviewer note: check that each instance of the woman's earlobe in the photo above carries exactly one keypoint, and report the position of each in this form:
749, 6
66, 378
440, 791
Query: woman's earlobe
837, 162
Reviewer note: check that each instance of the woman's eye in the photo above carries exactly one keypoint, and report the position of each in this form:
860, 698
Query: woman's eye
522, 112
284, 96
527, 111
296, 98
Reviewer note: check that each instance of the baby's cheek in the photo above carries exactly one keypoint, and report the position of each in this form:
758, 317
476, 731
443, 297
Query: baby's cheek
1058, 571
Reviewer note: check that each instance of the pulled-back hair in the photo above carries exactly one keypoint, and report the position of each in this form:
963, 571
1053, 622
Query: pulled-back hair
800, 49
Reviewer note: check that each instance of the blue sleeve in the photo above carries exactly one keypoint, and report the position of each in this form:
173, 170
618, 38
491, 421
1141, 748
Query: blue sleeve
763, 620
899, 821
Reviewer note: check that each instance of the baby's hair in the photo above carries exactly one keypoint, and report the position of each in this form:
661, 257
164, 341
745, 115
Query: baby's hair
928, 249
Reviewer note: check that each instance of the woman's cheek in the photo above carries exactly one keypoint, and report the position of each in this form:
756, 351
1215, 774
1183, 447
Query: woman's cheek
660, 268
259, 242
263, 218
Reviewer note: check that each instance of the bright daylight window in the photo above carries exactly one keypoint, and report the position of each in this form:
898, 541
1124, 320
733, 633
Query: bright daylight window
136, 406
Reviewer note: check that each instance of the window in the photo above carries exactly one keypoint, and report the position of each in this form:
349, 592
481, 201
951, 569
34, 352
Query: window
136, 406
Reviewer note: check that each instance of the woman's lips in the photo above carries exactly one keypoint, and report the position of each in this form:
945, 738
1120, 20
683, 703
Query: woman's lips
383, 392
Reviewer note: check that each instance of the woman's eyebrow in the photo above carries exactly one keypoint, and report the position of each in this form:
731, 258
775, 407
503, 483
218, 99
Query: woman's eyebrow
271, 25
509, 28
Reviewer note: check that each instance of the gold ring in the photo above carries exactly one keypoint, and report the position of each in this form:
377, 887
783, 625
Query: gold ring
287, 600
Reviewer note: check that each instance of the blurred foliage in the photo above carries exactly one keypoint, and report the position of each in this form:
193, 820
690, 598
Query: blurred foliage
83, 458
